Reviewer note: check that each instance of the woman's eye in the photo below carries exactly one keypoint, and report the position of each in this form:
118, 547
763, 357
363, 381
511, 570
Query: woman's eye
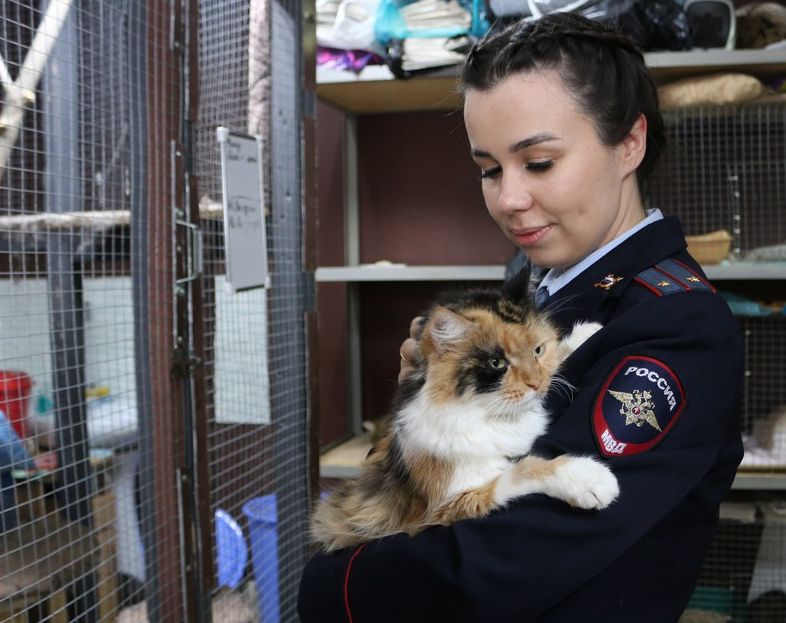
539, 350
487, 174
540, 165
498, 364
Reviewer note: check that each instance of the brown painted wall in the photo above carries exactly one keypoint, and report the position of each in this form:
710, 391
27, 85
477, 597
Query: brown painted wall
331, 297
420, 199
420, 203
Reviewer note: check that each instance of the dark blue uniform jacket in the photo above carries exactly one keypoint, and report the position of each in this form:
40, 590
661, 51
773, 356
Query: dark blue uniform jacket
659, 398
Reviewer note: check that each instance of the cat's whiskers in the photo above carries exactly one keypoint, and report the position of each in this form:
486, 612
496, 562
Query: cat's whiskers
497, 405
562, 386
557, 305
502, 409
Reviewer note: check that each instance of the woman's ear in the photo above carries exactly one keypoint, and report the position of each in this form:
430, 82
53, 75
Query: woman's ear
634, 145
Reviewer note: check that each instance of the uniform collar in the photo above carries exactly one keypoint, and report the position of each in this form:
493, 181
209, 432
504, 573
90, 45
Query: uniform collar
608, 277
556, 279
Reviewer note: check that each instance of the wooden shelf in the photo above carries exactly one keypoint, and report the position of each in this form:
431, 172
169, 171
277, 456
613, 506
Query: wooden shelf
375, 90
668, 66
759, 481
403, 272
344, 460
750, 271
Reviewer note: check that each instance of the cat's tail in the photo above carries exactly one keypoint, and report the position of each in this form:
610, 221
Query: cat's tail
350, 516
331, 529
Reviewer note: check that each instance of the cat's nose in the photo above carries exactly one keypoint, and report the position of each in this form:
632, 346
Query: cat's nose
535, 385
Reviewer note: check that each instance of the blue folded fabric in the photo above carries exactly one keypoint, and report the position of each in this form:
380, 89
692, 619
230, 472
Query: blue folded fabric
742, 306
13, 453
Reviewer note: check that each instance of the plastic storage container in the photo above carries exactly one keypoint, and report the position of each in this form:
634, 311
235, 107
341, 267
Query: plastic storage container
262, 527
15, 389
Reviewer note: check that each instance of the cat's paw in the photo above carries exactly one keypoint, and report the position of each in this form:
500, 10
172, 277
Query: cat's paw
586, 483
582, 331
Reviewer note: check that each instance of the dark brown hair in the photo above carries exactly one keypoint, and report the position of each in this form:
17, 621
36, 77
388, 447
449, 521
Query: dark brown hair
602, 68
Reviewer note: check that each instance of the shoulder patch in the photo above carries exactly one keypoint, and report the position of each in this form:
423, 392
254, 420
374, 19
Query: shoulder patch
672, 277
638, 404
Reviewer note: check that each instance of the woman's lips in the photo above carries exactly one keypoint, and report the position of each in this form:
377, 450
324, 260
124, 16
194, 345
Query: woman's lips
530, 235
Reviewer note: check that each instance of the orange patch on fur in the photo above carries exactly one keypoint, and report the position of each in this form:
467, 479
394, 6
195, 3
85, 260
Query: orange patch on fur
518, 341
474, 503
376, 504
537, 468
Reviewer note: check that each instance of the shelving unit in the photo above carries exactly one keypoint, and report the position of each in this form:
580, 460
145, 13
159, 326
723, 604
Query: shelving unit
401, 272
344, 461
375, 92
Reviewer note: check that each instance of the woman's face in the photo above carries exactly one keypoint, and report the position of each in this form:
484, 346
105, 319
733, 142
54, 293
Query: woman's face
553, 187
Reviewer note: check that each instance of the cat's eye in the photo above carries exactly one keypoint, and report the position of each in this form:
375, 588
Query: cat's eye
539, 350
498, 364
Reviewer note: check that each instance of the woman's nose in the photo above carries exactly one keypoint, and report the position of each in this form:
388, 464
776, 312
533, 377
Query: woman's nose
514, 195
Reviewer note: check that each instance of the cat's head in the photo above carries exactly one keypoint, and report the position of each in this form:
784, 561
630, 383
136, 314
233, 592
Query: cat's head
485, 348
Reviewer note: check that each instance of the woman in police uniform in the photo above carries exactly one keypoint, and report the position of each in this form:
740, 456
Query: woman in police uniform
563, 122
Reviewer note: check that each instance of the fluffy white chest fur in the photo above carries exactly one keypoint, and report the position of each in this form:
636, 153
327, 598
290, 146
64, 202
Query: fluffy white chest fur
476, 438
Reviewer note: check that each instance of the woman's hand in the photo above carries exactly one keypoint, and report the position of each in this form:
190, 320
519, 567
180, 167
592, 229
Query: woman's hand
410, 349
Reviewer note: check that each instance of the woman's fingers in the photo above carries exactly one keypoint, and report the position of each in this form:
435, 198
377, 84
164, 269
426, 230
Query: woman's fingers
409, 354
410, 349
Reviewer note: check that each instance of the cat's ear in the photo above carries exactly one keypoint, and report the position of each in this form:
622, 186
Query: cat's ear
520, 286
445, 327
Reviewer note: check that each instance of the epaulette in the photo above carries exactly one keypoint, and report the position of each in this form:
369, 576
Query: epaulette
672, 277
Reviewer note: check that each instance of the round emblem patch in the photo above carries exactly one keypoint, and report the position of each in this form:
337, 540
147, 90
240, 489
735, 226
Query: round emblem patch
639, 403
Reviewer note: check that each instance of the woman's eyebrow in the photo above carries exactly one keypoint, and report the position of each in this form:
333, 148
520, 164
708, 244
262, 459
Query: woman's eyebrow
535, 139
542, 137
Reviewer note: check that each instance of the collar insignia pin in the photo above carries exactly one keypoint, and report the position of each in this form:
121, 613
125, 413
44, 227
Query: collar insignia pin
664, 284
693, 279
608, 282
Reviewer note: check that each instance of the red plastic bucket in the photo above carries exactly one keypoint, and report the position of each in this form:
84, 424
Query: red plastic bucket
15, 398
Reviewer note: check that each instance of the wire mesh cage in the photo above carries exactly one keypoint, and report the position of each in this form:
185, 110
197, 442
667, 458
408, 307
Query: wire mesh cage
139, 481
257, 472
723, 170
69, 388
723, 175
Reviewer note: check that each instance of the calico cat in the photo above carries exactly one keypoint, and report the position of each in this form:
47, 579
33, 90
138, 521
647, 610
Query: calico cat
463, 423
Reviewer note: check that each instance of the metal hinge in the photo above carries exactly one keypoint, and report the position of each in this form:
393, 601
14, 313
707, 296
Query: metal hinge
183, 363
309, 291
194, 256
175, 27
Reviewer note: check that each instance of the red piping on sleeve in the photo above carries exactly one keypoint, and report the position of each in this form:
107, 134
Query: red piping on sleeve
346, 582
691, 271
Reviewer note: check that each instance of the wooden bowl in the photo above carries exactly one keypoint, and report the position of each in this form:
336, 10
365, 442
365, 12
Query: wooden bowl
710, 248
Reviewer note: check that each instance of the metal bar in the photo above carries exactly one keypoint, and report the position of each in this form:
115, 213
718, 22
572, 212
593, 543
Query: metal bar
162, 90
351, 201
198, 501
289, 336
75, 487
22, 91
352, 258
309, 184
140, 259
